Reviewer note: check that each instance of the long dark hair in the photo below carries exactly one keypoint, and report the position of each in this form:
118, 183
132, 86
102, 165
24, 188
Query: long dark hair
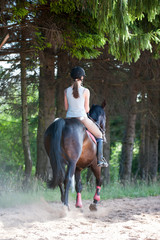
75, 89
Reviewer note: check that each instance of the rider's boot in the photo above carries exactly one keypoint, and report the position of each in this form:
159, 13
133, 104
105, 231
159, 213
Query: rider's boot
101, 161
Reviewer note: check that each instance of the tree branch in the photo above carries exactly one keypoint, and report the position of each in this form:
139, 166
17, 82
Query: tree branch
4, 40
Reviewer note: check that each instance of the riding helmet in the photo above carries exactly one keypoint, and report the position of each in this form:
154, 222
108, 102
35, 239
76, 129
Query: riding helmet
77, 73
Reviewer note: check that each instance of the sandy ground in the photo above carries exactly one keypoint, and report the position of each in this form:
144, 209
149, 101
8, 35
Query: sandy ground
119, 219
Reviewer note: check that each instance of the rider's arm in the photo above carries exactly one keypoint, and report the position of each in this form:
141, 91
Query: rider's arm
65, 101
86, 99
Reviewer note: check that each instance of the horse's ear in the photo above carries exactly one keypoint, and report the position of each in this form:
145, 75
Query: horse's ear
92, 106
103, 104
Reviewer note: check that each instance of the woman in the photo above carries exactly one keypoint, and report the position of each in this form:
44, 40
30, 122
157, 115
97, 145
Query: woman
76, 102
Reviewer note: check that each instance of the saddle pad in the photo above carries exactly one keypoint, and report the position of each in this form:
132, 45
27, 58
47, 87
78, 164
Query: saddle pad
92, 137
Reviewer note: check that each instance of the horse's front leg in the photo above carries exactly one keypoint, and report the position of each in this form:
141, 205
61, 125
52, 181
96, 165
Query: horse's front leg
78, 188
96, 198
97, 172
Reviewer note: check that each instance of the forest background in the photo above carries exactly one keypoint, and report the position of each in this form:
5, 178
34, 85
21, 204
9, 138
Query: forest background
117, 43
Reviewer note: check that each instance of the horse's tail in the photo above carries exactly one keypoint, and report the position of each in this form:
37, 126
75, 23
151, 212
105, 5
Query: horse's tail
55, 154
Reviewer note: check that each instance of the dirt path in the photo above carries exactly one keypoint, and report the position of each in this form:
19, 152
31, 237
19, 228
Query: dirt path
120, 219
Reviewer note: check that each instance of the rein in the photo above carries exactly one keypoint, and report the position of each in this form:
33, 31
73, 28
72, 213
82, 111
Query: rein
103, 131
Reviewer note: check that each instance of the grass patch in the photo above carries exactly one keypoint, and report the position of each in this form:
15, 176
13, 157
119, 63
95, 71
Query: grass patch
117, 190
14, 199
12, 193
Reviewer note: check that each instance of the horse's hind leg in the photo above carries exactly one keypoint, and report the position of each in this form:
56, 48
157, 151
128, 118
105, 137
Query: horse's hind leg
68, 179
78, 188
62, 192
97, 172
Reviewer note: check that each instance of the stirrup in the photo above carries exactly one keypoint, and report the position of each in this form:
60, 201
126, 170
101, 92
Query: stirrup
102, 163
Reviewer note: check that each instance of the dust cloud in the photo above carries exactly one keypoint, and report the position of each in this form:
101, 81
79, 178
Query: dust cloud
118, 219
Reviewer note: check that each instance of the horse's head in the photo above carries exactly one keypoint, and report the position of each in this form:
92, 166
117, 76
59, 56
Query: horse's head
97, 113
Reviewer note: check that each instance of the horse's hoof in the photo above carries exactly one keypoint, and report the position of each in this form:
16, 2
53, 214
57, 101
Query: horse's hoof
80, 209
93, 207
78, 206
69, 209
66, 207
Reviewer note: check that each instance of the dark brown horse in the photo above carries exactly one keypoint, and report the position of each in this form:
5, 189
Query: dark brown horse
67, 143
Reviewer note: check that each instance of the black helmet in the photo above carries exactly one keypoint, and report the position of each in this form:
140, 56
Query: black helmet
77, 73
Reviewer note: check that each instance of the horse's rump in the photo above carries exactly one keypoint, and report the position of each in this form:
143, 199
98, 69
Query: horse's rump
72, 139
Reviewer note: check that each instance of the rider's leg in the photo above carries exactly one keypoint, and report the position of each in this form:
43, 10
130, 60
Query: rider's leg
101, 161
92, 127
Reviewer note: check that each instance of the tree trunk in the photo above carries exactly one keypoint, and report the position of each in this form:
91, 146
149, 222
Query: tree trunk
154, 137
63, 81
147, 148
105, 171
149, 139
142, 160
153, 163
46, 111
25, 128
128, 142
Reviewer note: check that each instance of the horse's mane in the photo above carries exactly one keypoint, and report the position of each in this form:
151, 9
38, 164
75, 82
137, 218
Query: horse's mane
95, 112
98, 115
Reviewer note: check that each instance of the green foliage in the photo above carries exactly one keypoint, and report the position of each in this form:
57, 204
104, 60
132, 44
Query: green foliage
19, 13
41, 42
11, 149
127, 32
11, 152
130, 26
138, 8
42, 2
122, 22
84, 45
114, 161
60, 6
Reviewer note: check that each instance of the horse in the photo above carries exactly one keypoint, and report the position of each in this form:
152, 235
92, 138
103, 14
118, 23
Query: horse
71, 148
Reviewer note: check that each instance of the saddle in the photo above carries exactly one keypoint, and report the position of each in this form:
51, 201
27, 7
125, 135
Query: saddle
91, 136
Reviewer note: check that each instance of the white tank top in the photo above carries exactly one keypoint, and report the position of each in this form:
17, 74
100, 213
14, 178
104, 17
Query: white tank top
75, 105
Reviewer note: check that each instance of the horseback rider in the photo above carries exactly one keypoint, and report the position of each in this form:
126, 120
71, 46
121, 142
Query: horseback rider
76, 102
